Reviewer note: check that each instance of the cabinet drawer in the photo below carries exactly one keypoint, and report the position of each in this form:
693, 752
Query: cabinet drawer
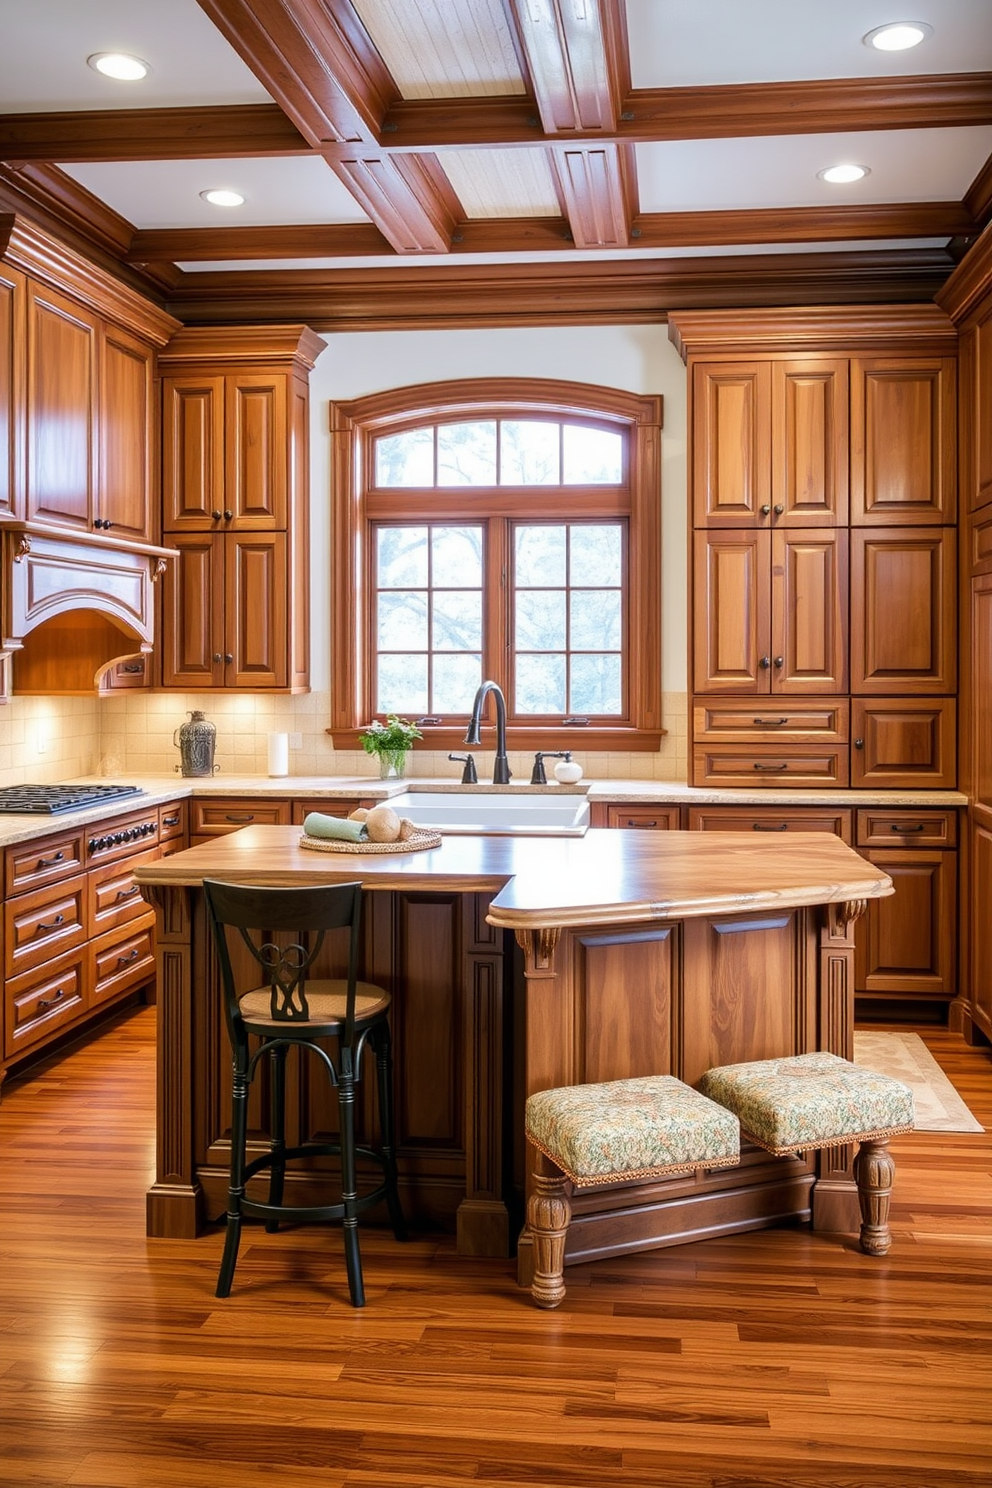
41, 1001
172, 821
302, 809
122, 959
722, 722
44, 923
45, 860
762, 766
770, 819
904, 742
644, 818
909, 828
115, 899
121, 837
214, 818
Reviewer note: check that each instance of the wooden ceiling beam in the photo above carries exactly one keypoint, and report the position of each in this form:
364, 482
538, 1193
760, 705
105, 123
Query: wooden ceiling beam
597, 184
431, 296
553, 234
730, 111
575, 57
151, 134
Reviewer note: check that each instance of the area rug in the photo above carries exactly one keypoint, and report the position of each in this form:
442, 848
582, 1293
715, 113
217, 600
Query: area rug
906, 1057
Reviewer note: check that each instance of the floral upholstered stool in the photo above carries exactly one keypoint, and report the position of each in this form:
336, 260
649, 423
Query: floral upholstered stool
809, 1101
616, 1132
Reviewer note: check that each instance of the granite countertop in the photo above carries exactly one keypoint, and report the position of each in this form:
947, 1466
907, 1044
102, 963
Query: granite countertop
159, 789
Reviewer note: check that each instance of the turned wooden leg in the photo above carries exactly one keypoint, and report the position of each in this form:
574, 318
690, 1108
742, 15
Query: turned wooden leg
873, 1173
548, 1216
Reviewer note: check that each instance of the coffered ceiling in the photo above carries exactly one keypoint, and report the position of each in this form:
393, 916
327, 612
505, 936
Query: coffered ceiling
486, 162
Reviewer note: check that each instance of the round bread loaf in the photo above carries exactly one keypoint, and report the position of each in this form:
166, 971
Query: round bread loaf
382, 824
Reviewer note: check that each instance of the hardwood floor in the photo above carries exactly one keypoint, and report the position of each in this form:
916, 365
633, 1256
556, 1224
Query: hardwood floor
780, 1359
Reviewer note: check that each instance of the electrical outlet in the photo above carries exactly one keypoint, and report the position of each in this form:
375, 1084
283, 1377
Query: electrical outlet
296, 741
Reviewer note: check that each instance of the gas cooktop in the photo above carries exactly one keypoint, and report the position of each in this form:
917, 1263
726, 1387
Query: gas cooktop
19, 800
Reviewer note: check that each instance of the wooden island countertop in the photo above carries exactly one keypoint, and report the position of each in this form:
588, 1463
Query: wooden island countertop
521, 963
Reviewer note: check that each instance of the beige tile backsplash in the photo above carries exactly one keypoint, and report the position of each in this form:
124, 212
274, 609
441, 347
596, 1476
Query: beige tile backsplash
50, 739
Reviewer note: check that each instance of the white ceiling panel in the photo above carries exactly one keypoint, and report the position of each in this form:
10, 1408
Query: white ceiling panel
44, 45
682, 43
907, 165
434, 49
502, 183
165, 193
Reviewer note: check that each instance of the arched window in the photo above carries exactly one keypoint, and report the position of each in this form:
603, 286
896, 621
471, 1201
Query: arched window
505, 529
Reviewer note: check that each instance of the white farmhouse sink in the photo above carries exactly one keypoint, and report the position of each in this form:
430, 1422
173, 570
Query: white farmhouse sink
509, 812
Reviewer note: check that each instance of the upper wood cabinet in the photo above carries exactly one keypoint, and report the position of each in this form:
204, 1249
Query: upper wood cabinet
235, 495
903, 610
769, 443
77, 392
770, 612
903, 431
227, 454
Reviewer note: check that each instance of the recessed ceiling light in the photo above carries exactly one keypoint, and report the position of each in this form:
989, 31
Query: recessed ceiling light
898, 36
119, 65
223, 198
842, 175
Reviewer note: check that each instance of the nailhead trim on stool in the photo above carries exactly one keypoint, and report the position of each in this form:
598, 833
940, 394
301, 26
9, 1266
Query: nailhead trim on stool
809, 1101
614, 1132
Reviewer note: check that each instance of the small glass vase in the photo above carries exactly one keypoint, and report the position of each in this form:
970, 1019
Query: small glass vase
392, 763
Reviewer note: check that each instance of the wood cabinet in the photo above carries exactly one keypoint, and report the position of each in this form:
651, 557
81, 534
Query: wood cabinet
215, 816
652, 818
77, 935
12, 300
823, 480
770, 443
776, 819
770, 611
235, 500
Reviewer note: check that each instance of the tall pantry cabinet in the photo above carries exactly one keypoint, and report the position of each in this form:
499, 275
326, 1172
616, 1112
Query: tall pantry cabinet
235, 454
823, 641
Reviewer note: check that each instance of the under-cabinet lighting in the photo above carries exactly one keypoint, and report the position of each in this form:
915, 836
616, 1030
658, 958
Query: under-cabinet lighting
842, 175
220, 197
898, 36
119, 65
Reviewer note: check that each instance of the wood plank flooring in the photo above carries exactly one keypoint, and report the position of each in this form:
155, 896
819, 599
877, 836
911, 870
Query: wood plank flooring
780, 1359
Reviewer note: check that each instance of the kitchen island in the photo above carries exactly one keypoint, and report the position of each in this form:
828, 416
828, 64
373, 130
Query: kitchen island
517, 964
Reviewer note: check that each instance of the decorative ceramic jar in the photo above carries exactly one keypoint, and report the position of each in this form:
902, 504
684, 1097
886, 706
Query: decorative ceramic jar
196, 742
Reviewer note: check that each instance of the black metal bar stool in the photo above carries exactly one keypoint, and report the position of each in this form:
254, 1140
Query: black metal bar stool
286, 1008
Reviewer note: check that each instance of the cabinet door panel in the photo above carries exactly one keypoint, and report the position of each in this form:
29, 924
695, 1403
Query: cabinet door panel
257, 609
126, 432
903, 432
981, 425
731, 443
61, 405
257, 449
732, 612
907, 942
192, 453
810, 442
903, 624
626, 984
981, 941
809, 611
904, 742
193, 614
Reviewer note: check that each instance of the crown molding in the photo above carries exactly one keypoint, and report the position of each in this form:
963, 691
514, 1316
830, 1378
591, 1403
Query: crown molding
897, 328
970, 281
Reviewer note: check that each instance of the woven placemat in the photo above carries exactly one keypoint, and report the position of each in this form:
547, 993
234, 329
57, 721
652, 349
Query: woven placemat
417, 843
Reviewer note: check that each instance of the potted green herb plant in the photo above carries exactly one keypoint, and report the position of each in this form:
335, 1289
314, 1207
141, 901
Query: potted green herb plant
391, 742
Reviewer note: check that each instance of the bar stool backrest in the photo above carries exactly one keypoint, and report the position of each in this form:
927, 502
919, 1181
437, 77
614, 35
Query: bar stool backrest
259, 914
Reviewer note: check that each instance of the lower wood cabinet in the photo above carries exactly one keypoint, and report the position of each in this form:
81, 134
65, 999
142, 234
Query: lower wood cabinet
215, 816
806, 766
641, 818
77, 934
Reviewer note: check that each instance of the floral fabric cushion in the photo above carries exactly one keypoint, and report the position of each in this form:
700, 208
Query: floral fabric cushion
810, 1101
625, 1129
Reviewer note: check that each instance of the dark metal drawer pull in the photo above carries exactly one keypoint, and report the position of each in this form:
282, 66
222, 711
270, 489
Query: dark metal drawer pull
762, 827
769, 722
132, 668
770, 767
131, 956
48, 1002
128, 893
632, 822
170, 821
58, 920
50, 862
918, 827
249, 817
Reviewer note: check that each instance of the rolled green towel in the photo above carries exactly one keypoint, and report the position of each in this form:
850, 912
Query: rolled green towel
343, 828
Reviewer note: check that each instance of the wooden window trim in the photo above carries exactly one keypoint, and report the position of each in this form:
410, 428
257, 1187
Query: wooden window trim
355, 425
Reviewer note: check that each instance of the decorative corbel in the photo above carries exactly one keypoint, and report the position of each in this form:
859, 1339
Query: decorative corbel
538, 947
158, 567
22, 548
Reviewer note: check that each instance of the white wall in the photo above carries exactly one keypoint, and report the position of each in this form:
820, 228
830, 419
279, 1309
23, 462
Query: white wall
638, 359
